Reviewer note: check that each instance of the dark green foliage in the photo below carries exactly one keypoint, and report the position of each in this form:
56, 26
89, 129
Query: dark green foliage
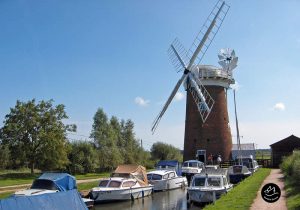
291, 169
163, 151
116, 143
4, 156
82, 157
36, 135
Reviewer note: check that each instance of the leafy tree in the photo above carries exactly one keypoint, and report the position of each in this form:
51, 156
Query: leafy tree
4, 156
131, 145
105, 138
163, 151
83, 157
37, 130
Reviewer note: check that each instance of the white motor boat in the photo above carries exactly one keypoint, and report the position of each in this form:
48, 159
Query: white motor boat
208, 186
190, 168
249, 162
166, 180
128, 182
238, 173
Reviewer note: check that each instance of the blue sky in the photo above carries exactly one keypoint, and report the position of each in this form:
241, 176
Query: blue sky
113, 55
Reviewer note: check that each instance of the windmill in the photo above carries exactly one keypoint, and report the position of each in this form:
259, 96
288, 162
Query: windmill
203, 85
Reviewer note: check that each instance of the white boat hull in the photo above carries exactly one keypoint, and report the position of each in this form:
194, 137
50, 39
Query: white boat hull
120, 194
169, 184
205, 196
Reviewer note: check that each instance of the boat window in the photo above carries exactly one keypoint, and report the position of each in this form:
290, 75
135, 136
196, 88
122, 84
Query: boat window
43, 184
214, 181
193, 164
103, 183
149, 176
165, 176
224, 181
185, 164
171, 175
199, 182
156, 177
237, 169
128, 184
114, 184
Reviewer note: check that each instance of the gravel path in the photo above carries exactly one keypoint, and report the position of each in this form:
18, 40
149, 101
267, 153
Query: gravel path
275, 177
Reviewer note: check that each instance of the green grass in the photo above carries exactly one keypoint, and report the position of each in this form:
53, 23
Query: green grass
92, 175
241, 196
87, 186
293, 195
5, 195
8, 178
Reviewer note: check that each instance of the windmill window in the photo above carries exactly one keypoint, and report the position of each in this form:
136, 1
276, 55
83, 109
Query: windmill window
208, 140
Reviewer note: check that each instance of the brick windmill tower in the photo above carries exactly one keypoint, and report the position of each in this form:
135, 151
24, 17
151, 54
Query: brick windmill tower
212, 136
207, 121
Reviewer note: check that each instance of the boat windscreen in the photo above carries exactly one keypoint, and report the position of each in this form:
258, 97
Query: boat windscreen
199, 182
156, 177
193, 164
115, 184
214, 181
103, 183
43, 184
237, 169
185, 164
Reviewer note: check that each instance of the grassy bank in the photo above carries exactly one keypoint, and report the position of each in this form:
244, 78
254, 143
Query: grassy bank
293, 195
242, 196
18, 178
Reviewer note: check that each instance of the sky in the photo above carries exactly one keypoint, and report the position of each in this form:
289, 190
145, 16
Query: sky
113, 55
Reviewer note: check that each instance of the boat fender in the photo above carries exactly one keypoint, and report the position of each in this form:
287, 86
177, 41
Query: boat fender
142, 193
131, 196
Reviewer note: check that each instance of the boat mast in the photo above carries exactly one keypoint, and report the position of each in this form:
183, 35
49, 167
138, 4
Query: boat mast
237, 130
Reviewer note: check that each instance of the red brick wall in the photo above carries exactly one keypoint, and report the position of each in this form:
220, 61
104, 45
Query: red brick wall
214, 135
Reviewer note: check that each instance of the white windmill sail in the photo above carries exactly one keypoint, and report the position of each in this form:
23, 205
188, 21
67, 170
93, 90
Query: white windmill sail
199, 47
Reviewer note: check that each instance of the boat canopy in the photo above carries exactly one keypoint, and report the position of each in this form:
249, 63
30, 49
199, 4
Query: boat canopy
58, 201
132, 171
172, 163
63, 181
169, 164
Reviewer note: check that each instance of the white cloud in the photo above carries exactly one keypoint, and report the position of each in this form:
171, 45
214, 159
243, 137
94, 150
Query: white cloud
179, 96
141, 102
279, 107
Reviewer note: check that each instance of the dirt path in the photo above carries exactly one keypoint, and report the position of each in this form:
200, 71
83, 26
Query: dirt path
14, 188
275, 177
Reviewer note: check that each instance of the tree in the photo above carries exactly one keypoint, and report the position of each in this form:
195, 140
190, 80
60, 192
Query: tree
163, 151
4, 156
37, 130
105, 138
83, 157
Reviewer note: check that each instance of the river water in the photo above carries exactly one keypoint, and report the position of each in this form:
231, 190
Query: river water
173, 199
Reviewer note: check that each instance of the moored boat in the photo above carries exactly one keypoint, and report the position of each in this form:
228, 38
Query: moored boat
128, 182
52, 183
166, 180
190, 168
238, 173
208, 186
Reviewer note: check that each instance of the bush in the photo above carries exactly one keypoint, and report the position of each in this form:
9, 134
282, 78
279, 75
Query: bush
291, 168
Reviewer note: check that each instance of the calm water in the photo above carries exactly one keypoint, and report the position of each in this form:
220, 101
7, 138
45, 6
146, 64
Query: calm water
173, 199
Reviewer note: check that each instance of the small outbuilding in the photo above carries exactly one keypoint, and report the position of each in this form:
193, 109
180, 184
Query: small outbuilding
282, 148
